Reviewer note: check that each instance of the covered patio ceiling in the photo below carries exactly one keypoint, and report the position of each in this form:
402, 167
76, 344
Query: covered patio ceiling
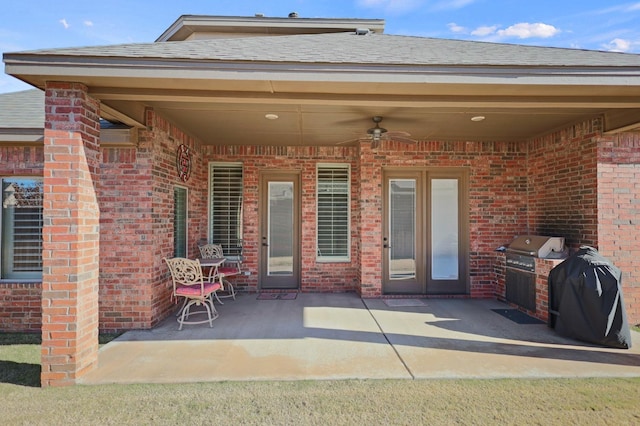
329, 117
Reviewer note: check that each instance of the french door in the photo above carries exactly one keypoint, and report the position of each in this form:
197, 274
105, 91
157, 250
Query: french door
280, 230
425, 232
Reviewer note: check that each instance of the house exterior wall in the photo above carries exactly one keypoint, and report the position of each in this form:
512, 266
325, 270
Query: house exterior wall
586, 187
136, 200
563, 184
135, 194
126, 260
163, 139
497, 201
316, 276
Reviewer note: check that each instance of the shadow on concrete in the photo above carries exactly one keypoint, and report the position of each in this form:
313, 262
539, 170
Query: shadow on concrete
462, 325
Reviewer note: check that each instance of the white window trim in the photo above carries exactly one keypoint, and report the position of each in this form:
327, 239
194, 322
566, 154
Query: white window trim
21, 279
211, 166
335, 259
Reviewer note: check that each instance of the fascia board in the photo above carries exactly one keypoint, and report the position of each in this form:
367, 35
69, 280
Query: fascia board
71, 67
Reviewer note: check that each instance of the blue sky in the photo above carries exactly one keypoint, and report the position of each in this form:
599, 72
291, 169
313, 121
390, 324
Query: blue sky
587, 24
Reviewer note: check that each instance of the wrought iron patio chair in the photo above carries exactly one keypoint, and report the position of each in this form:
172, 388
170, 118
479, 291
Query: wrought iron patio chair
231, 267
189, 283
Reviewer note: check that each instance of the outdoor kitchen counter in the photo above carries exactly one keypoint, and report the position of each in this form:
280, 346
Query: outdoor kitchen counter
542, 269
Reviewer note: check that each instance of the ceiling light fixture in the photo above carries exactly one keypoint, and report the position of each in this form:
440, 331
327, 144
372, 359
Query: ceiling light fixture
478, 118
271, 116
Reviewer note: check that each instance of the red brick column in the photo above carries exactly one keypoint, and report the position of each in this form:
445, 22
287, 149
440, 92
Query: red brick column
71, 235
370, 223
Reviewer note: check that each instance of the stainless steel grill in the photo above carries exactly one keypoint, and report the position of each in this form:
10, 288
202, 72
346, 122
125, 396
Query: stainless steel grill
537, 246
520, 274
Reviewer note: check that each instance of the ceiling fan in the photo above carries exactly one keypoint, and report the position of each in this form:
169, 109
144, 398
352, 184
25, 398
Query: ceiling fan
377, 134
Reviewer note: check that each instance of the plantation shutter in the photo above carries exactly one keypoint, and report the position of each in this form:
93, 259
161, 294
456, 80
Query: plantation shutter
180, 222
333, 212
226, 207
22, 228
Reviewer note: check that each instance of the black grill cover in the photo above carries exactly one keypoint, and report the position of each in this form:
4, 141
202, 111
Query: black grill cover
585, 300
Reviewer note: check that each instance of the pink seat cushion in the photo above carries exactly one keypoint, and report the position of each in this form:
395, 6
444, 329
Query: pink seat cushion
228, 270
194, 290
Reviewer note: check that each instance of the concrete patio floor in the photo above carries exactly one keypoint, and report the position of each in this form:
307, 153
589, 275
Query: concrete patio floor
340, 336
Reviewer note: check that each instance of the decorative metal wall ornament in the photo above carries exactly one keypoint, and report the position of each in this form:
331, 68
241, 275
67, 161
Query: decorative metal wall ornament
183, 162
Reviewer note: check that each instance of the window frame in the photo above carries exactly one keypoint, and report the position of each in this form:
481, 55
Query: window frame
20, 276
176, 253
232, 248
332, 258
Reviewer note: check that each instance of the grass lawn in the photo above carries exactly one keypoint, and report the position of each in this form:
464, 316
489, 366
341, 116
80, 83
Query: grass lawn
408, 402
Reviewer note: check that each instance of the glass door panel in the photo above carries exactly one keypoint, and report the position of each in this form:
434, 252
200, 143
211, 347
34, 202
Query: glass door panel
279, 213
280, 235
403, 266
425, 232
445, 247
402, 229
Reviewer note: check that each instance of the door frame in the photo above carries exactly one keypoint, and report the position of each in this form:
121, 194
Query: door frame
293, 281
463, 285
423, 283
416, 285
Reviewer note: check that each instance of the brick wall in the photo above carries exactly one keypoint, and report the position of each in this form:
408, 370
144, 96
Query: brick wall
584, 187
497, 201
126, 260
563, 184
162, 138
619, 212
562, 196
137, 202
21, 307
338, 276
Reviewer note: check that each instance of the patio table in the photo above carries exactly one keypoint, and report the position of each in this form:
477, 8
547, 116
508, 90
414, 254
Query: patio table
213, 264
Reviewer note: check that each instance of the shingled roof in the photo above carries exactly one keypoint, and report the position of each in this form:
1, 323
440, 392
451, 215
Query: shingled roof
324, 77
23, 109
351, 48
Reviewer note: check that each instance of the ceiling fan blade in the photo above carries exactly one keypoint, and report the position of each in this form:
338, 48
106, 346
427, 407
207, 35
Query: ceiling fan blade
348, 141
399, 137
403, 139
398, 133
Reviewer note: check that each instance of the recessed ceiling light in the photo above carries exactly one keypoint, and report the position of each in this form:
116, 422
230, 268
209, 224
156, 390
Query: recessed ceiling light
271, 116
478, 118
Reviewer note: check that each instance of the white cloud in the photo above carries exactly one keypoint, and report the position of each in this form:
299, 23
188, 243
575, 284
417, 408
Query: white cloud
64, 23
619, 45
527, 30
484, 31
88, 23
455, 28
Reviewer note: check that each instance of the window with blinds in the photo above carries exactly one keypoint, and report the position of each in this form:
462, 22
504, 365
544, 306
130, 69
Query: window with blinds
225, 207
21, 228
179, 222
333, 185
